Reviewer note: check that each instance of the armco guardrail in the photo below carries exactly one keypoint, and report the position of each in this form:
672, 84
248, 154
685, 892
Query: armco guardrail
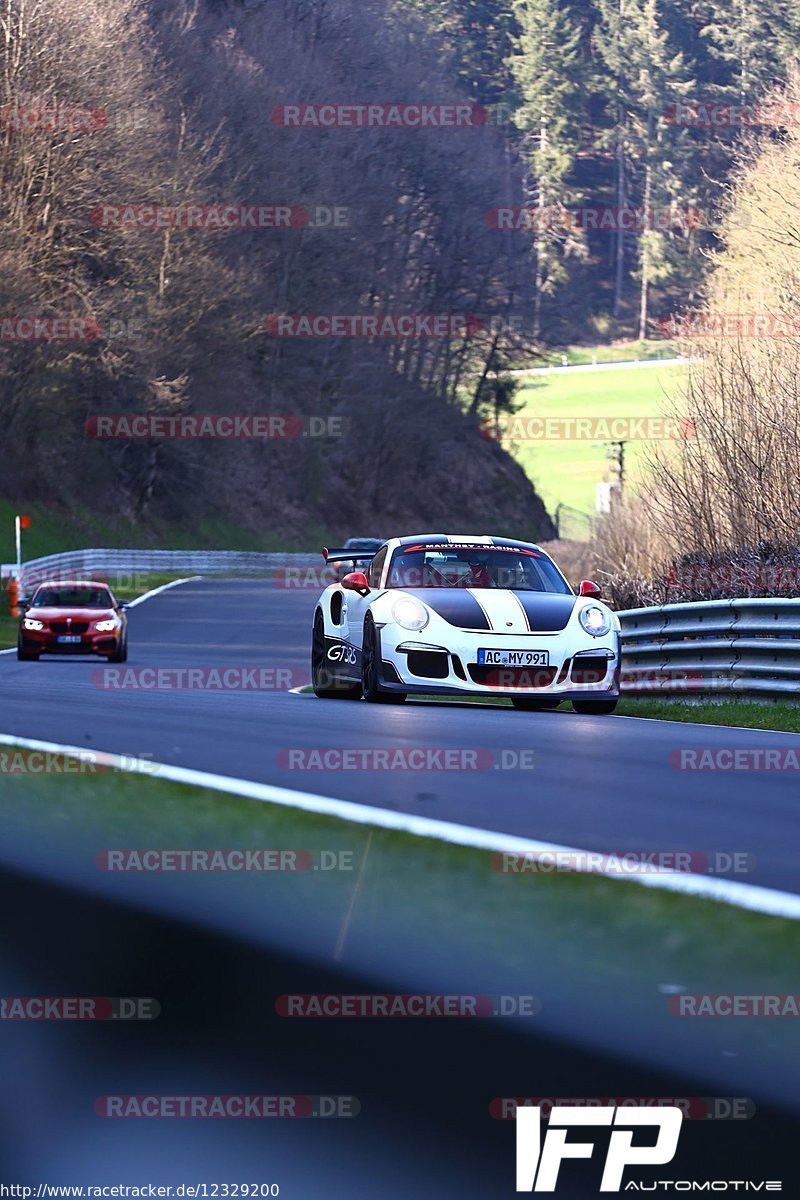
734, 647
82, 564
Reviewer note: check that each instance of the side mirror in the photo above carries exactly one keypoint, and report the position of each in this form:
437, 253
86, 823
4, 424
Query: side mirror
588, 588
356, 581
23, 603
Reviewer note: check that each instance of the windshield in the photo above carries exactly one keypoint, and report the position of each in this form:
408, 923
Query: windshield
73, 598
513, 568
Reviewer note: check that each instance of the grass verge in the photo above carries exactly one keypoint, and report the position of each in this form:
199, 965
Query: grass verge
776, 716
591, 949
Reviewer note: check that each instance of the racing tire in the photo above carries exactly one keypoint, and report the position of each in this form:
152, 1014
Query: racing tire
370, 657
26, 655
120, 655
326, 686
534, 703
596, 708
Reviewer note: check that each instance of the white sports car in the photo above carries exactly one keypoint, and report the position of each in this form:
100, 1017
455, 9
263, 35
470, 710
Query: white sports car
464, 615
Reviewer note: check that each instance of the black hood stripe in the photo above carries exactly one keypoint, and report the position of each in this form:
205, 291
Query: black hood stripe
546, 612
454, 605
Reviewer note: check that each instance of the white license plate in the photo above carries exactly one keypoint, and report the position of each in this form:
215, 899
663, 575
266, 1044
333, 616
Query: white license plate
69, 639
513, 658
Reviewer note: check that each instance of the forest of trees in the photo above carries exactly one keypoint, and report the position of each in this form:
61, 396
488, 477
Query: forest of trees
576, 95
589, 88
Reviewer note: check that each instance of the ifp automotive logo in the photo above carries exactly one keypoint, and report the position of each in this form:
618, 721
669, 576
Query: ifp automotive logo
538, 1162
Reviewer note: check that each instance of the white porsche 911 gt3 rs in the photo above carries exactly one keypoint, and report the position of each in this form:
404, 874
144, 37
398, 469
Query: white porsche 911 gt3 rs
456, 615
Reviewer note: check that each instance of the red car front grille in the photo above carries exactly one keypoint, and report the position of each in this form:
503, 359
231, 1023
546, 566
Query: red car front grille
75, 627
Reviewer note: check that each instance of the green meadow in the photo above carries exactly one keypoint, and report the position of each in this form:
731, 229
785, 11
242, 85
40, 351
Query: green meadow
567, 471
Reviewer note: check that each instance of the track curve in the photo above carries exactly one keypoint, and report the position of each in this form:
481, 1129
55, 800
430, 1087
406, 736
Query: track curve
604, 784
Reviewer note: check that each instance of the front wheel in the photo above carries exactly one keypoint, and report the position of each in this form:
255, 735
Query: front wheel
26, 655
120, 655
598, 708
326, 685
370, 660
533, 703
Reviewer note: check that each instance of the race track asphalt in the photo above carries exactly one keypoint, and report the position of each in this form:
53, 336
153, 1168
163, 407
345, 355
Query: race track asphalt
599, 783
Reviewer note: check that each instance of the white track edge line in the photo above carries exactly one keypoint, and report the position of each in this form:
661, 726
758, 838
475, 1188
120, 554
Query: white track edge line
751, 897
165, 587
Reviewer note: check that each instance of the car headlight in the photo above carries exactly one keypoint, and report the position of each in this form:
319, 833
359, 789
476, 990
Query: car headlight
106, 626
595, 621
409, 613
29, 623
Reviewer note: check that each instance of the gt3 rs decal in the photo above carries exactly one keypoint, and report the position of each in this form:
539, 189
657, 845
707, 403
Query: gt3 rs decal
342, 653
342, 659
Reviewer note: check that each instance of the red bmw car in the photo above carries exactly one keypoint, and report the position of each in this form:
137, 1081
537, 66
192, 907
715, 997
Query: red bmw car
73, 618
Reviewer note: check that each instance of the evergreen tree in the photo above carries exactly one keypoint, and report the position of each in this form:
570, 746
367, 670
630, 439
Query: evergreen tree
755, 39
647, 74
475, 36
544, 67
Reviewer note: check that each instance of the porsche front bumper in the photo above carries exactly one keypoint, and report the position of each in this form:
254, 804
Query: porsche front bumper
579, 666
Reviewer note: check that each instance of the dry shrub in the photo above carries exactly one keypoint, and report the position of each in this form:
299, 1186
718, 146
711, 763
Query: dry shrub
720, 510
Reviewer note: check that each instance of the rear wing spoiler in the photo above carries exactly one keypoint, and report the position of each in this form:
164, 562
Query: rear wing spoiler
336, 556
